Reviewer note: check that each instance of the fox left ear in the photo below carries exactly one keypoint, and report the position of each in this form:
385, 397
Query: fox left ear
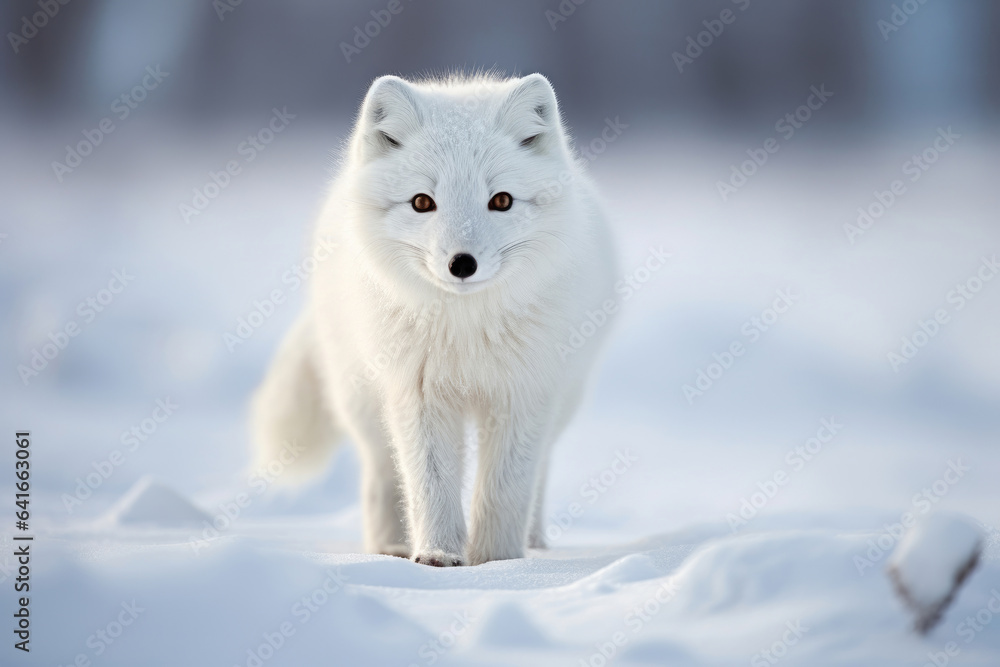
389, 114
530, 112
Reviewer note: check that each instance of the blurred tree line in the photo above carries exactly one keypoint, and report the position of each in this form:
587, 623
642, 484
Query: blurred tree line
230, 57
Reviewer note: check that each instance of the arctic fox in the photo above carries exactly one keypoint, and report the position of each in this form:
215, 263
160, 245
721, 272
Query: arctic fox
466, 246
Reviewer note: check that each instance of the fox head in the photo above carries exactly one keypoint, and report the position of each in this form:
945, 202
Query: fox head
462, 184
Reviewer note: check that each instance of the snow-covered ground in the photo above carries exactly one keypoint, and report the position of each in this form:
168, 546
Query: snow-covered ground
752, 512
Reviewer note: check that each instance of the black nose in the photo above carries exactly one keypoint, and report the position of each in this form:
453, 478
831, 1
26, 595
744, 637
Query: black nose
462, 265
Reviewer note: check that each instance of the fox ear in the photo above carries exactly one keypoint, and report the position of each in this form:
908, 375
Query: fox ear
389, 115
530, 112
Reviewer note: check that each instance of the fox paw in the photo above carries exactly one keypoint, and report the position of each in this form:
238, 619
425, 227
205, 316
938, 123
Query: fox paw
439, 559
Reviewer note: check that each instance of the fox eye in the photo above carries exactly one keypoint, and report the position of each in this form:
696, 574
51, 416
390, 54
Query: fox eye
501, 201
423, 203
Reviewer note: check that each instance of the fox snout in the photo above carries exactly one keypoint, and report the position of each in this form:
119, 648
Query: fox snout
463, 254
462, 265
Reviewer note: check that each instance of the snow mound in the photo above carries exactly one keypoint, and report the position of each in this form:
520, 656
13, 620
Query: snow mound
508, 626
932, 562
731, 601
739, 572
151, 504
630, 569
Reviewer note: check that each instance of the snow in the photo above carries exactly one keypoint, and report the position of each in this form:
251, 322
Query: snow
743, 529
729, 599
150, 503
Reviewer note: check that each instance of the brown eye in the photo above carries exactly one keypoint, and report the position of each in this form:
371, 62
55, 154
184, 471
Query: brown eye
501, 201
423, 203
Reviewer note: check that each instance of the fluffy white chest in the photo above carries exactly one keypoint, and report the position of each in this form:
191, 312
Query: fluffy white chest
465, 345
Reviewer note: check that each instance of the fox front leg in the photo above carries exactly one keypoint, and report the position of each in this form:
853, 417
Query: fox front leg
428, 439
509, 457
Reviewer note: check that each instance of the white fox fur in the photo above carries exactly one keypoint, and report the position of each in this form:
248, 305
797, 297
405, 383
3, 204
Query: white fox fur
397, 353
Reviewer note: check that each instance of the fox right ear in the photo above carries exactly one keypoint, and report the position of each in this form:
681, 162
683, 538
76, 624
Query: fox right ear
530, 112
389, 115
